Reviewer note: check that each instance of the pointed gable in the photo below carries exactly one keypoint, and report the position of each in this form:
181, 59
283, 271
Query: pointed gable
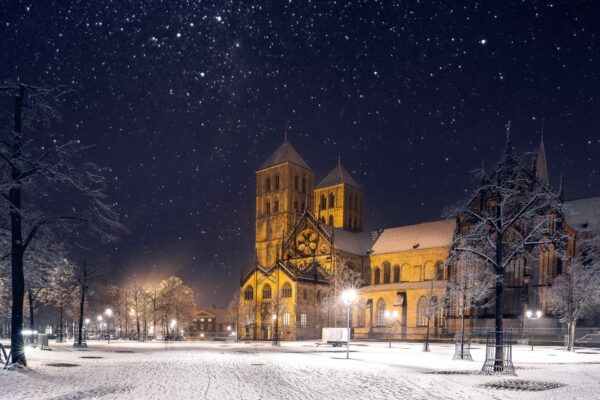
337, 176
284, 153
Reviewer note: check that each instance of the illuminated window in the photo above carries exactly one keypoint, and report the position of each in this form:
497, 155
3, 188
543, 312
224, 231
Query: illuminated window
286, 291
286, 318
380, 316
303, 319
422, 311
266, 292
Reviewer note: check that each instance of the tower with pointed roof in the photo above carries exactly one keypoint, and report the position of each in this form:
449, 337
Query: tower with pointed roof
284, 187
340, 200
541, 165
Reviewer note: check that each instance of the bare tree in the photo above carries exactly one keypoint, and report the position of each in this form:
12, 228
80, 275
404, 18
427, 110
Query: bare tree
575, 293
470, 286
508, 216
136, 294
44, 167
177, 305
61, 293
430, 310
87, 276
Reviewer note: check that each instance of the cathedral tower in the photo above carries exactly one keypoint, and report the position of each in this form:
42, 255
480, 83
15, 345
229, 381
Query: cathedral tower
340, 201
284, 187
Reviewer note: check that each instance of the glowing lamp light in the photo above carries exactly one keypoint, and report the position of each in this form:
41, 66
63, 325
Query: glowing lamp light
274, 317
348, 296
108, 312
99, 318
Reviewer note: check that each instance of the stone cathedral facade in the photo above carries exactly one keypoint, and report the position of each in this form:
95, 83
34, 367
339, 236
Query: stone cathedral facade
308, 232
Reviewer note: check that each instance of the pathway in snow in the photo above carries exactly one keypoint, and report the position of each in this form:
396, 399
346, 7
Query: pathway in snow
294, 371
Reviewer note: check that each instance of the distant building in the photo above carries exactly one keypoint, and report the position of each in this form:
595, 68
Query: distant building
214, 323
307, 234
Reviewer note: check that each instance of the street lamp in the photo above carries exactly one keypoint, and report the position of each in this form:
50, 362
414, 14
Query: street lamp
391, 316
533, 317
109, 314
348, 297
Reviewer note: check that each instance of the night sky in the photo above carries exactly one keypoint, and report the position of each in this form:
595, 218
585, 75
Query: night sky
185, 99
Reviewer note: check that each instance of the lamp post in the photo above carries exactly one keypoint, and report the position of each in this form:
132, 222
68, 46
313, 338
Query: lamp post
533, 317
109, 314
391, 316
348, 297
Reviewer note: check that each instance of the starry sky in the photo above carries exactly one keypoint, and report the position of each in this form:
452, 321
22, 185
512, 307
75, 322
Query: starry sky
184, 100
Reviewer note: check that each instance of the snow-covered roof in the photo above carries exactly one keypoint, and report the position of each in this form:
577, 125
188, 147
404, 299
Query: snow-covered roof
338, 175
421, 236
583, 215
355, 243
284, 153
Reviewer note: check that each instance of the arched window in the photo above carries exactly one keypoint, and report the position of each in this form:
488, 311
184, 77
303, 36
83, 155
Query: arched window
396, 274
268, 184
323, 220
376, 276
249, 293
296, 182
386, 272
404, 273
439, 271
331, 220
276, 182
331, 200
422, 311
267, 208
428, 271
380, 315
303, 319
276, 206
286, 318
286, 291
323, 202
360, 313
318, 297
304, 294
266, 292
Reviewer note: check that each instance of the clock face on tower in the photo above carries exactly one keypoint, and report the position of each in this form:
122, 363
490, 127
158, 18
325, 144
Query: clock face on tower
306, 242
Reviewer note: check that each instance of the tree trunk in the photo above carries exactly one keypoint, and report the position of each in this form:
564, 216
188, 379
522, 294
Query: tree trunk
571, 334
499, 363
18, 278
81, 305
60, 332
462, 334
426, 344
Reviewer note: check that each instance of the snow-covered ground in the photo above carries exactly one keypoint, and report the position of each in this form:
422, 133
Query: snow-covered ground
296, 370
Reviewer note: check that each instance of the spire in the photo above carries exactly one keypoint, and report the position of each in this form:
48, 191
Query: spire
541, 166
508, 138
285, 132
339, 159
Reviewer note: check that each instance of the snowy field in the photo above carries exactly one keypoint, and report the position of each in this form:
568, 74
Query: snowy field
297, 370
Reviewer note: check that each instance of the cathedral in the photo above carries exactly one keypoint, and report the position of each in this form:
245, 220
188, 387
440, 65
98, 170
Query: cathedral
308, 234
